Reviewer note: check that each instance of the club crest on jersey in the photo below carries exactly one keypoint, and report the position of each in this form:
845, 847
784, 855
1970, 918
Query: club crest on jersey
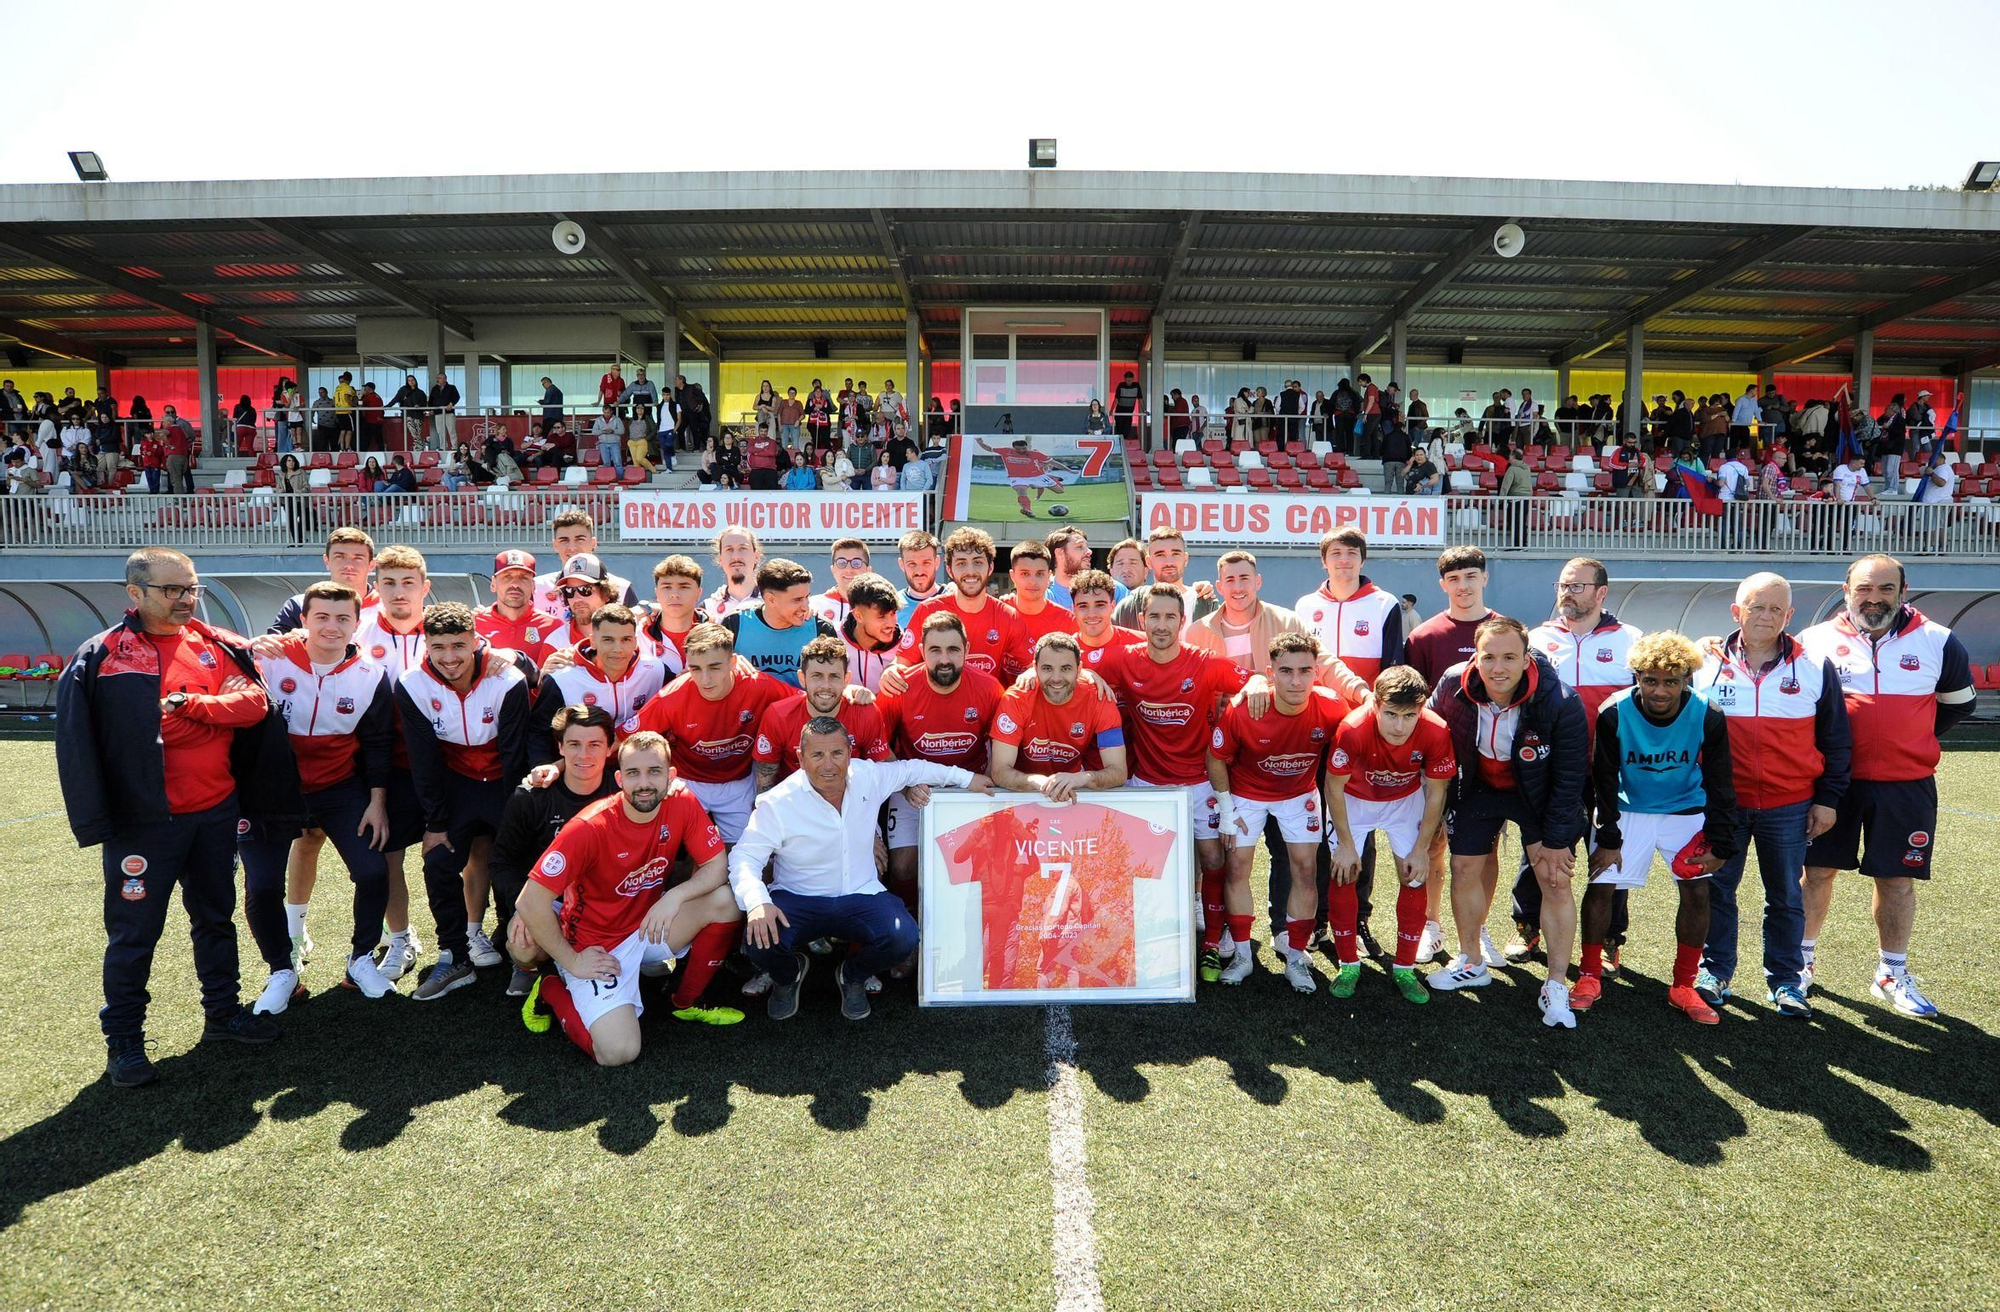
1555, 648
1361, 628
1842, 650
133, 890
554, 863
206, 657
1532, 748
344, 706
590, 699
1187, 685
1789, 687
1604, 655
486, 716
242, 828
1076, 729
971, 714
288, 685
1319, 735
992, 635
1005, 723
529, 635
743, 717
664, 835
1911, 662
436, 705
1339, 758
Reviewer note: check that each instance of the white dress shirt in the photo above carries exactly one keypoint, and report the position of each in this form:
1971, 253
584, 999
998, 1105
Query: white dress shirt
821, 852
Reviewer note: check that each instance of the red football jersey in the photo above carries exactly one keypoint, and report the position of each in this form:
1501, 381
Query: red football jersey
1055, 891
996, 642
1051, 618
1279, 756
1379, 771
609, 871
1169, 708
778, 733
711, 741
1025, 464
1057, 739
949, 728
528, 635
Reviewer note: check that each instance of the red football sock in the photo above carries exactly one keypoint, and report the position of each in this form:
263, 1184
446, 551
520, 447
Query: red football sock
1211, 906
1592, 960
556, 994
1343, 910
1240, 928
1411, 912
1299, 933
1687, 960
712, 943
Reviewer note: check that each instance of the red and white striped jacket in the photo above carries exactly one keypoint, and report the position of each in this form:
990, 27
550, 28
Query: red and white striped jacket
1789, 740
1594, 663
1903, 690
340, 723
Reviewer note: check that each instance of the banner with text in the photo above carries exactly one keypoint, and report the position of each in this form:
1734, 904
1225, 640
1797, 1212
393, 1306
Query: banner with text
1230, 519
1012, 477
658, 515
1024, 901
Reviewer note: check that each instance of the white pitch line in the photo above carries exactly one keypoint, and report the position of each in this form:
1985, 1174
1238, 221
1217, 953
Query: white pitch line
1077, 1289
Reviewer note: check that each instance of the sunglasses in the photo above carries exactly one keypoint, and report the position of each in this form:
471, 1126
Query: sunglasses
585, 591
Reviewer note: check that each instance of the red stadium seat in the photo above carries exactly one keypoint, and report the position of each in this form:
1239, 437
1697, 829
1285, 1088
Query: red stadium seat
1228, 476
1336, 460
51, 661
634, 476
319, 460
1257, 478
1278, 460
1306, 460
1982, 675
590, 458
347, 460
1223, 460
1350, 477
1489, 482
1267, 448
547, 477
1804, 484
1547, 485
1319, 479
1289, 478
1193, 460
18, 660
1560, 453
603, 474
1601, 483
427, 460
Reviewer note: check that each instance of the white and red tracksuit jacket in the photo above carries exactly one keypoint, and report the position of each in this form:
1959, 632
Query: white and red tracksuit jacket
340, 723
1903, 690
1365, 630
1592, 663
587, 684
1789, 739
479, 735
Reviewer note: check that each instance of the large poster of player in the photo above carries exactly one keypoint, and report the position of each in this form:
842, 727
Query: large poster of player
1022, 478
1024, 901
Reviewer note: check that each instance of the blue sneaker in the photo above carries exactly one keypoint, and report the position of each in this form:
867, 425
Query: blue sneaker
1790, 1000
1713, 991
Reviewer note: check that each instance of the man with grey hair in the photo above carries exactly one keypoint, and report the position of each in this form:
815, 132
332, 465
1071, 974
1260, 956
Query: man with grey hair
1908, 680
1789, 752
164, 741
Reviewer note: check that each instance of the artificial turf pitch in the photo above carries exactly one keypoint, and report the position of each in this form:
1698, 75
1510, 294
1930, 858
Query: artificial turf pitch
1256, 1149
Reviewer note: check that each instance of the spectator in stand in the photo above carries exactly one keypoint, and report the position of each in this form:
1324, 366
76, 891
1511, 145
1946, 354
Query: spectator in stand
1396, 455
609, 434
892, 413
1197, 418
883, 477
1773, 416
1291, 408
345, 402
800, 476
1890, 444
13, 408
641, 402
1177, 417
1125, 405
1850, 480
372, 476
957, 428
444, 413
1095, 421
861, 455
791, 414
916, 476
179, 439
1811, 421
244, 419
611, 387
760, 459
325, 424
1711, 427
899, 450
1811, 456
1417, 417
152, 458
410, 398
1748, 410
691, 403
1774, 480
110, 459
552, 402
766, 406
48, 445
1423, 475
819, 410
1239, 417
937, 424
1567, 426
639, 439
725, 463
1262, 423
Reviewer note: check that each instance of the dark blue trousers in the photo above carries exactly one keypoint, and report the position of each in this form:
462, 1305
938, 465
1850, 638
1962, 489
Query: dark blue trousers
266, 850
878, 924
142, 864
474, 810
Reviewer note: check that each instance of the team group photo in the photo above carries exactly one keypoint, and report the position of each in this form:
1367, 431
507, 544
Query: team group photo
822, 715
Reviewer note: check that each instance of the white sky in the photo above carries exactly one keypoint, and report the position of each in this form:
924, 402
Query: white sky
1732, 91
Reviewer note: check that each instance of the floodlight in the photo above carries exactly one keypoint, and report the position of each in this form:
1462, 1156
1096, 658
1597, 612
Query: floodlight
1041, 152
89, 166
1983, 176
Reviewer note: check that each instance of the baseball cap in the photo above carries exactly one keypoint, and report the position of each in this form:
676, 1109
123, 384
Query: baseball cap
507, 560
583, 565
1687, 861
1924, 391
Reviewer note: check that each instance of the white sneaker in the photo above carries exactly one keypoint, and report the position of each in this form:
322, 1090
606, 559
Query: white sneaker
1298, 974
1554, 1003
368, 977
872, 984
1806, 978
1494, 960
758, 985
1227, 946
277, 994
1431, 943
1239, 966
398, 957
1460, 973
1901, 992
479, 948
302, 948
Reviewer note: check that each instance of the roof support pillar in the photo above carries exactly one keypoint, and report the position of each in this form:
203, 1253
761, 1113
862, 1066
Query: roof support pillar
1156, 379
1562, 384
103, 372
913, 368
506, 397
1399, 354
437, 352
205, 387
1635, 377
670, 360
469, 393
1864, 366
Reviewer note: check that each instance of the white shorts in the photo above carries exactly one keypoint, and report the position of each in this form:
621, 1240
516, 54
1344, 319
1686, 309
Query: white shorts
1201, 805
595, 997
906, 822
1298, 819
1644, 835
727, 804
1400, 820
1039, 480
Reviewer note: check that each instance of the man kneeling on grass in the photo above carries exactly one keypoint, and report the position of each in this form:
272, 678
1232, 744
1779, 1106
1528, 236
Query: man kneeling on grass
610, 867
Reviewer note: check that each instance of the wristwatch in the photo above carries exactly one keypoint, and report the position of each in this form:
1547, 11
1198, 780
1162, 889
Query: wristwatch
176, 700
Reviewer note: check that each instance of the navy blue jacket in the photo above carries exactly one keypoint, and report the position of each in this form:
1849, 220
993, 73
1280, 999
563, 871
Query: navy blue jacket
1551, 756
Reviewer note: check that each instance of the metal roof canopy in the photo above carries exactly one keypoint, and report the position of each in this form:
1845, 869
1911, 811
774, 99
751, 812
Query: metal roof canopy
1737, 278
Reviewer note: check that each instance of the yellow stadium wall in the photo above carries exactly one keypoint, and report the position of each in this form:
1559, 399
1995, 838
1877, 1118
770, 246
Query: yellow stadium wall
30, 381
741, 379
1587, 382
